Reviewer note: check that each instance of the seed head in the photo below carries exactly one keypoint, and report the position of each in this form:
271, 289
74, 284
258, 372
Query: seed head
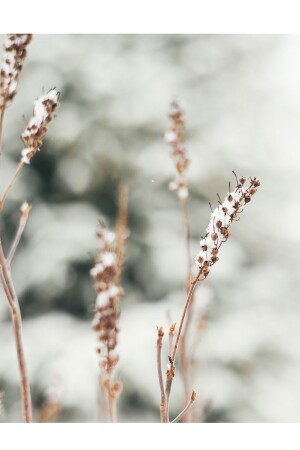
221, 219
32, 136
15, 50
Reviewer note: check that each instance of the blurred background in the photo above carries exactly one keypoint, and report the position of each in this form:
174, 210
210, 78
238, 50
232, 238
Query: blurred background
241, 96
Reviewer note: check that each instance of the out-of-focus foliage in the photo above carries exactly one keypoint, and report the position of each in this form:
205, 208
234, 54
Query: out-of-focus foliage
242, 100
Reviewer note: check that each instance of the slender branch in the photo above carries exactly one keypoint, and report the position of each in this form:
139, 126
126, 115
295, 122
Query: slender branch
169, 381
1, 127
184, 367
186, 409
112, 406
186, 232
171, 370
24, 210
121, 229
189, 297
6, 290
9, 185
17, 325
171, 336
184, 361
160, 335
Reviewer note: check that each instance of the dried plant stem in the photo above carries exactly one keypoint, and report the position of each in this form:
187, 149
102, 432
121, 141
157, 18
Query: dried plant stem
160, 335
121, 229
184, 369
186, 409
112, 406
184, 360
186, 231
171, 370
1, 129
217, 233
9, 185
21, 227
187, 303
17, 326
171, 337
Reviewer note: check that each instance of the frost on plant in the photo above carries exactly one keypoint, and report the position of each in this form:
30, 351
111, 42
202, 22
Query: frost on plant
221, 219
105, 322
32, 136
12, 62
175, 137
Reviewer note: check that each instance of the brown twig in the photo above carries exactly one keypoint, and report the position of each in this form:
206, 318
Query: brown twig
24, 212
171, 337
171, 370
11, 182
186, 409
1, 129
160, 335
44, 109
184, 360
186, 233
187, 303
121, 229
17, 326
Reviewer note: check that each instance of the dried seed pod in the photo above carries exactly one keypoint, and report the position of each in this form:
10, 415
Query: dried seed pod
37, 127
221, 219
15, 50
175, 137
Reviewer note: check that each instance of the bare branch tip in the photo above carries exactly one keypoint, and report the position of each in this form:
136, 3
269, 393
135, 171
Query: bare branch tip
160, 332
193, 395
172, 329
25, 209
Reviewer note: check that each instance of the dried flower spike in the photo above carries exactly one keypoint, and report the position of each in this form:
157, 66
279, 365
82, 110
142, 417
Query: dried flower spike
32, 136
175, 137
220, 220
105, 322
217, 233
44, 109
12, 63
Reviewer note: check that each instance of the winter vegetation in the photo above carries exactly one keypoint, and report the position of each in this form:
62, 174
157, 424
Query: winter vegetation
113, 307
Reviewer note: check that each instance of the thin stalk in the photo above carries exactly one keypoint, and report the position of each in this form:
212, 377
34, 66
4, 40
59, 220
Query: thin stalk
1, 128
186, 409
184, 361
171, 371
17, 326
186, 233
112, 406
189, 297
21, 227
9, 185
171, 337
160, 335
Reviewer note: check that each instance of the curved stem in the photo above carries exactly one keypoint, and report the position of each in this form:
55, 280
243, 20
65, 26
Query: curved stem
112, 408
184, 360
188, 300
17, 325
160, 335
171, 370
1, 128
21, 227
9, 185
186, 409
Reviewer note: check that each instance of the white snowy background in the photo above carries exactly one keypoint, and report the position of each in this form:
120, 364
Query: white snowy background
241, 96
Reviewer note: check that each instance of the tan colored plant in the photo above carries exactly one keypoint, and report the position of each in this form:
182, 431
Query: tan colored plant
216, 234
175, 136
44, 108
107, 274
